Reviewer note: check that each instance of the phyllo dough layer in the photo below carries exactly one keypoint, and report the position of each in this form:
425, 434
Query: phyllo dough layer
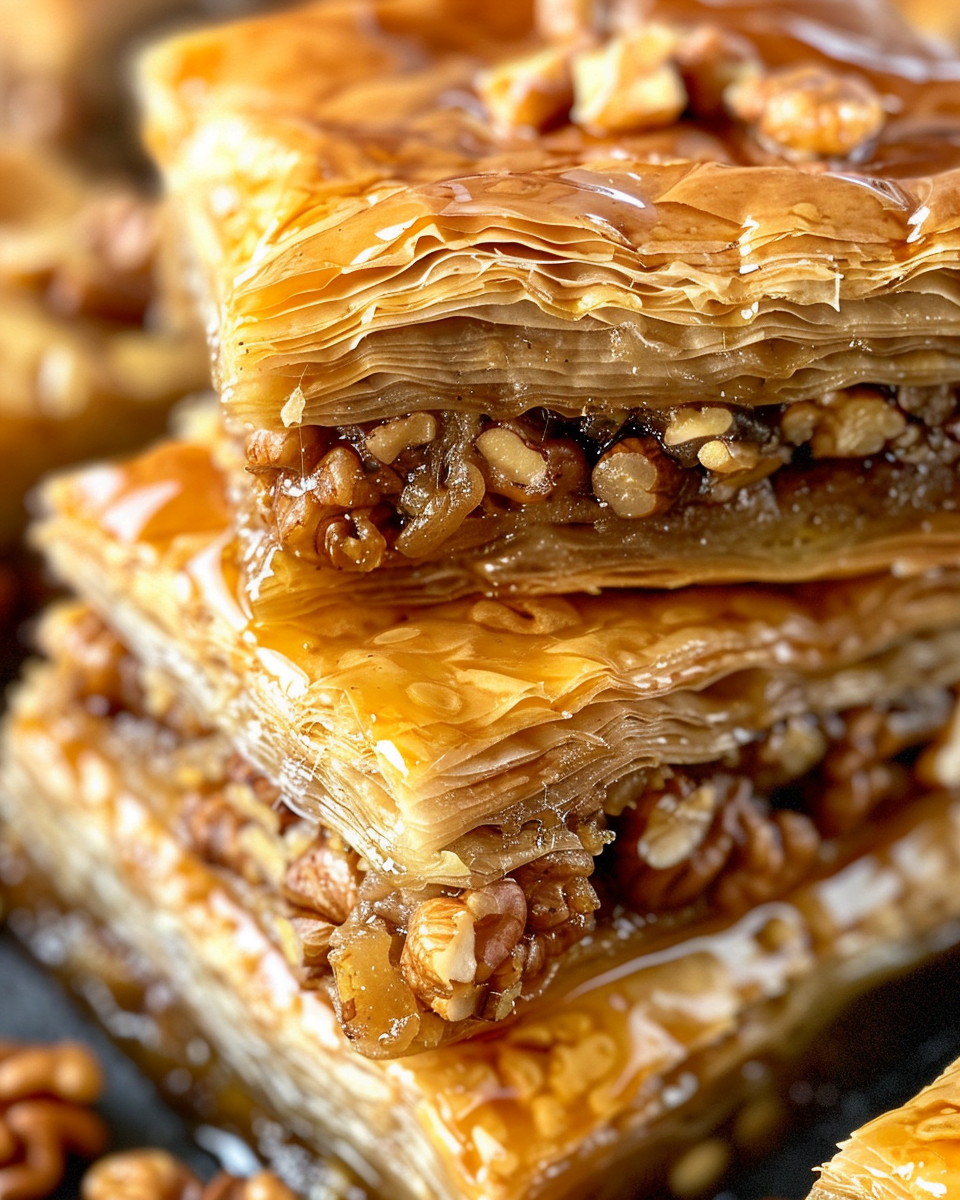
496, 345
643, 1050
421, 736
411, 964
909, 1153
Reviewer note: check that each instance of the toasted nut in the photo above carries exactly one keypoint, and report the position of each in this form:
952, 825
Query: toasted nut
443, 512
351, 543
140, 1175
388, 441
676, 826
454, 944
692, 424
324, 879
809, 112
712, 59
68, 1071
636, 478
509, 454
298, 450
46, 1130
262, 1186
725, 458
340, 482
855, 423
799, 422
629, 83
529, 92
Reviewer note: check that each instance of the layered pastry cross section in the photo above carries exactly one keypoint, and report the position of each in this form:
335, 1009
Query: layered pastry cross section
908, 1152
487, 317
444, 811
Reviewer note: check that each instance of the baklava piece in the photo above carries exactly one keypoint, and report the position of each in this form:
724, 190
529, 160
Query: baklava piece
597, 295
447, 808
94, 346
626, 1058
909, 1153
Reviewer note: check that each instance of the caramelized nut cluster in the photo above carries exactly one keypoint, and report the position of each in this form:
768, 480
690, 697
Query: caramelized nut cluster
156, 1175
45, 1094
611, 72
461, 955
357, 497
720, 834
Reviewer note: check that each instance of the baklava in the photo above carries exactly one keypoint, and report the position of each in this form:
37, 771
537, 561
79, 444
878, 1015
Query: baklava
483, 859
488, 315
909, 1153
95, 348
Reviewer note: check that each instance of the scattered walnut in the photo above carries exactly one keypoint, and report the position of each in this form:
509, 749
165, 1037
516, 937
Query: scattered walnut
156, 1175
140, 1175
677, 825
726, 458
799, 423
44, 1091
695, 424
441, 511
933, 405
809, 112
388, 441
340, 481
629, 83
324, 880
528, 93
636, 479
515, 467
350, 543
742, 851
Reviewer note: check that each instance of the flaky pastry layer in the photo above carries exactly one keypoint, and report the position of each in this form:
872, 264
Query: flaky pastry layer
410, 731
569, 1093
908, 1153
374, 242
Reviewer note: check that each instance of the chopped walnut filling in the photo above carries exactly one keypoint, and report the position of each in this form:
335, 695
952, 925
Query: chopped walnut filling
356, 498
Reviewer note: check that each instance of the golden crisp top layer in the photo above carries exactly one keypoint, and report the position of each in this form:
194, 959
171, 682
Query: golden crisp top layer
395, 202
909, 1152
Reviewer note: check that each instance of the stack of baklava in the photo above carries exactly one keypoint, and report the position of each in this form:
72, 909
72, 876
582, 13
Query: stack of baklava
529, 695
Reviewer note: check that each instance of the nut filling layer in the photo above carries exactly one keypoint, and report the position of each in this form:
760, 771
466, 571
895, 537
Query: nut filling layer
356, 498
413, 967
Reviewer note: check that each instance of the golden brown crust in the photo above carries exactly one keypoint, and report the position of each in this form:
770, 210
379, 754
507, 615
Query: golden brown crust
406, 252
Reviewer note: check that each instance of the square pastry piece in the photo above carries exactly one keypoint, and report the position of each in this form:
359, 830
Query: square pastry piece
449, 812
909, 1153
602, 294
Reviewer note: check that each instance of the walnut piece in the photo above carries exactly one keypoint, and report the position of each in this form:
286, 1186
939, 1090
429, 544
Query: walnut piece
726, 458
628, 83
454, 944
44, 1091
636, 479
528, 93
696, 424
155, 1175
809, 112
388, 441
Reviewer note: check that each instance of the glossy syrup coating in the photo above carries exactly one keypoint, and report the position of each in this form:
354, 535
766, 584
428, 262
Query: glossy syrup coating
373, 241
905, 1154
410, 731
